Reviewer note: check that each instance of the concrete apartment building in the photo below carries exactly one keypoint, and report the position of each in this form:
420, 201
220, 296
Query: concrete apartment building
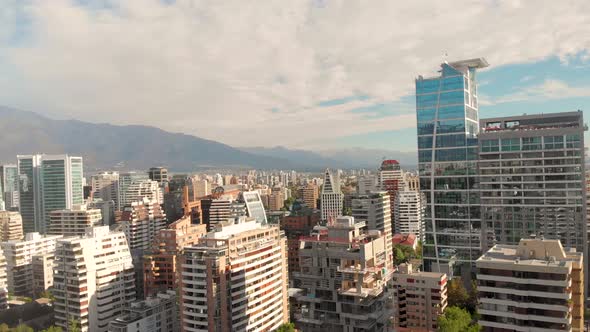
9, 185
3, 282
154, 314
105, 186
297, 224
419, 299
158, 174
141, 221
409, 213
11, 226
74, 221
310, 194
343, 279
94, 279
533, 286
374, 209
276, 201
161, 266
235, 279
23, 279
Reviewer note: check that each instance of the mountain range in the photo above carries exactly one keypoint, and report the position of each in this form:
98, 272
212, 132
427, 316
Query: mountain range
107, 146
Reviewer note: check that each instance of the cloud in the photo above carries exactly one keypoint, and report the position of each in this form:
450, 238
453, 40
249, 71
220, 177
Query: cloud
217, 69
549, 89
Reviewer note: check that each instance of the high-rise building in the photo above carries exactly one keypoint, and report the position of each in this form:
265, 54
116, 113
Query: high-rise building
140, 189
141, 221
343, 279
154, 314
310, 194
419, 299
374, 209
48, 183
391, 180
409, 213
73, 222
161, 266
411, 181
158, 174
276, 201
332, 199
93, 279
126, 179
448, 124
202, 188
106, 187
533, 286
367, 184
11, 226
235, 279
3, 282
20, 255
296, 225
532, 180
9, 185
254, 206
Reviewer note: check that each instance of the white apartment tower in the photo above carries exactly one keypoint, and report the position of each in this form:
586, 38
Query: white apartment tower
106, 187
409, 213
141, 221
73, 222
11, 226
94, 279
3, 283
235, 279
332, 199
20, 256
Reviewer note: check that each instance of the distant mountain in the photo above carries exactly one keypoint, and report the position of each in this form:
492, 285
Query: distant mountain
130, 147
338, 158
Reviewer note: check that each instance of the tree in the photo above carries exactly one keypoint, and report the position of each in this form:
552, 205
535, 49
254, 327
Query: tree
471, 303
73, 325
4, 328
456, 319
398, 256
23, 328
457, 294
53, 329
47, 294
286, 327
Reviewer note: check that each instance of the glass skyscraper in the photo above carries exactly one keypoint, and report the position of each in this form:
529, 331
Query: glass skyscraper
448, 124
48, 183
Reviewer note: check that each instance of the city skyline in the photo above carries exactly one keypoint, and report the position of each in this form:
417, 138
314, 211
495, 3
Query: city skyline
302, 74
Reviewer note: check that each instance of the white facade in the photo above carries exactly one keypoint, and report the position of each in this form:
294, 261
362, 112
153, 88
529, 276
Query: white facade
409, 213
254, 206
11, 226
73, 222
155, 314
94, 279
332, 199
141, 221
106, 187
139, 189
19, 258
367, 184
202, 188
3, 282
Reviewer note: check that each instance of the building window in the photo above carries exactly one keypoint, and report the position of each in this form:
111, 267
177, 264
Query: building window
510, 144
490, 145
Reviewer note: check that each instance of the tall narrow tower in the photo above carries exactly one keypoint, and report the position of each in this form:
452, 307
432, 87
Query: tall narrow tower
447, 114
332, 197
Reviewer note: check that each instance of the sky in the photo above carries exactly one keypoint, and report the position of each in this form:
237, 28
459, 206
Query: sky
314, 74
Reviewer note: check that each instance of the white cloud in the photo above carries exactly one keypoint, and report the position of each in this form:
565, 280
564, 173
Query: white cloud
215, 69
549, 89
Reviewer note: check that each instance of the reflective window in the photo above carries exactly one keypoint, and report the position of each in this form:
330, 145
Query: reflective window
572, 141
446, 141
452, 97
451, 126
426, 114
451, 154
425, 128
531, 143
424, 156
553, 142
510, 144
424, 142
490, 145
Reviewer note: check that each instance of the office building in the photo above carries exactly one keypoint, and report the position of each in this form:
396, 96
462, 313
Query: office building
74, 221
367, 184
332, 199
245, 259
343, 279
202, 188
276, 201
254, 206
409, 213
533, 286
374, 209
448, 124
158, 174
161, 266
310, 194
23, 280
105, 186
419, 298
9, 185
93, 280
154, 314
11, 226
48, 183
411, 181
532, 178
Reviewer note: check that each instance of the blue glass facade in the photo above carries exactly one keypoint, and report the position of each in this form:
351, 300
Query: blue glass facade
448, 124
